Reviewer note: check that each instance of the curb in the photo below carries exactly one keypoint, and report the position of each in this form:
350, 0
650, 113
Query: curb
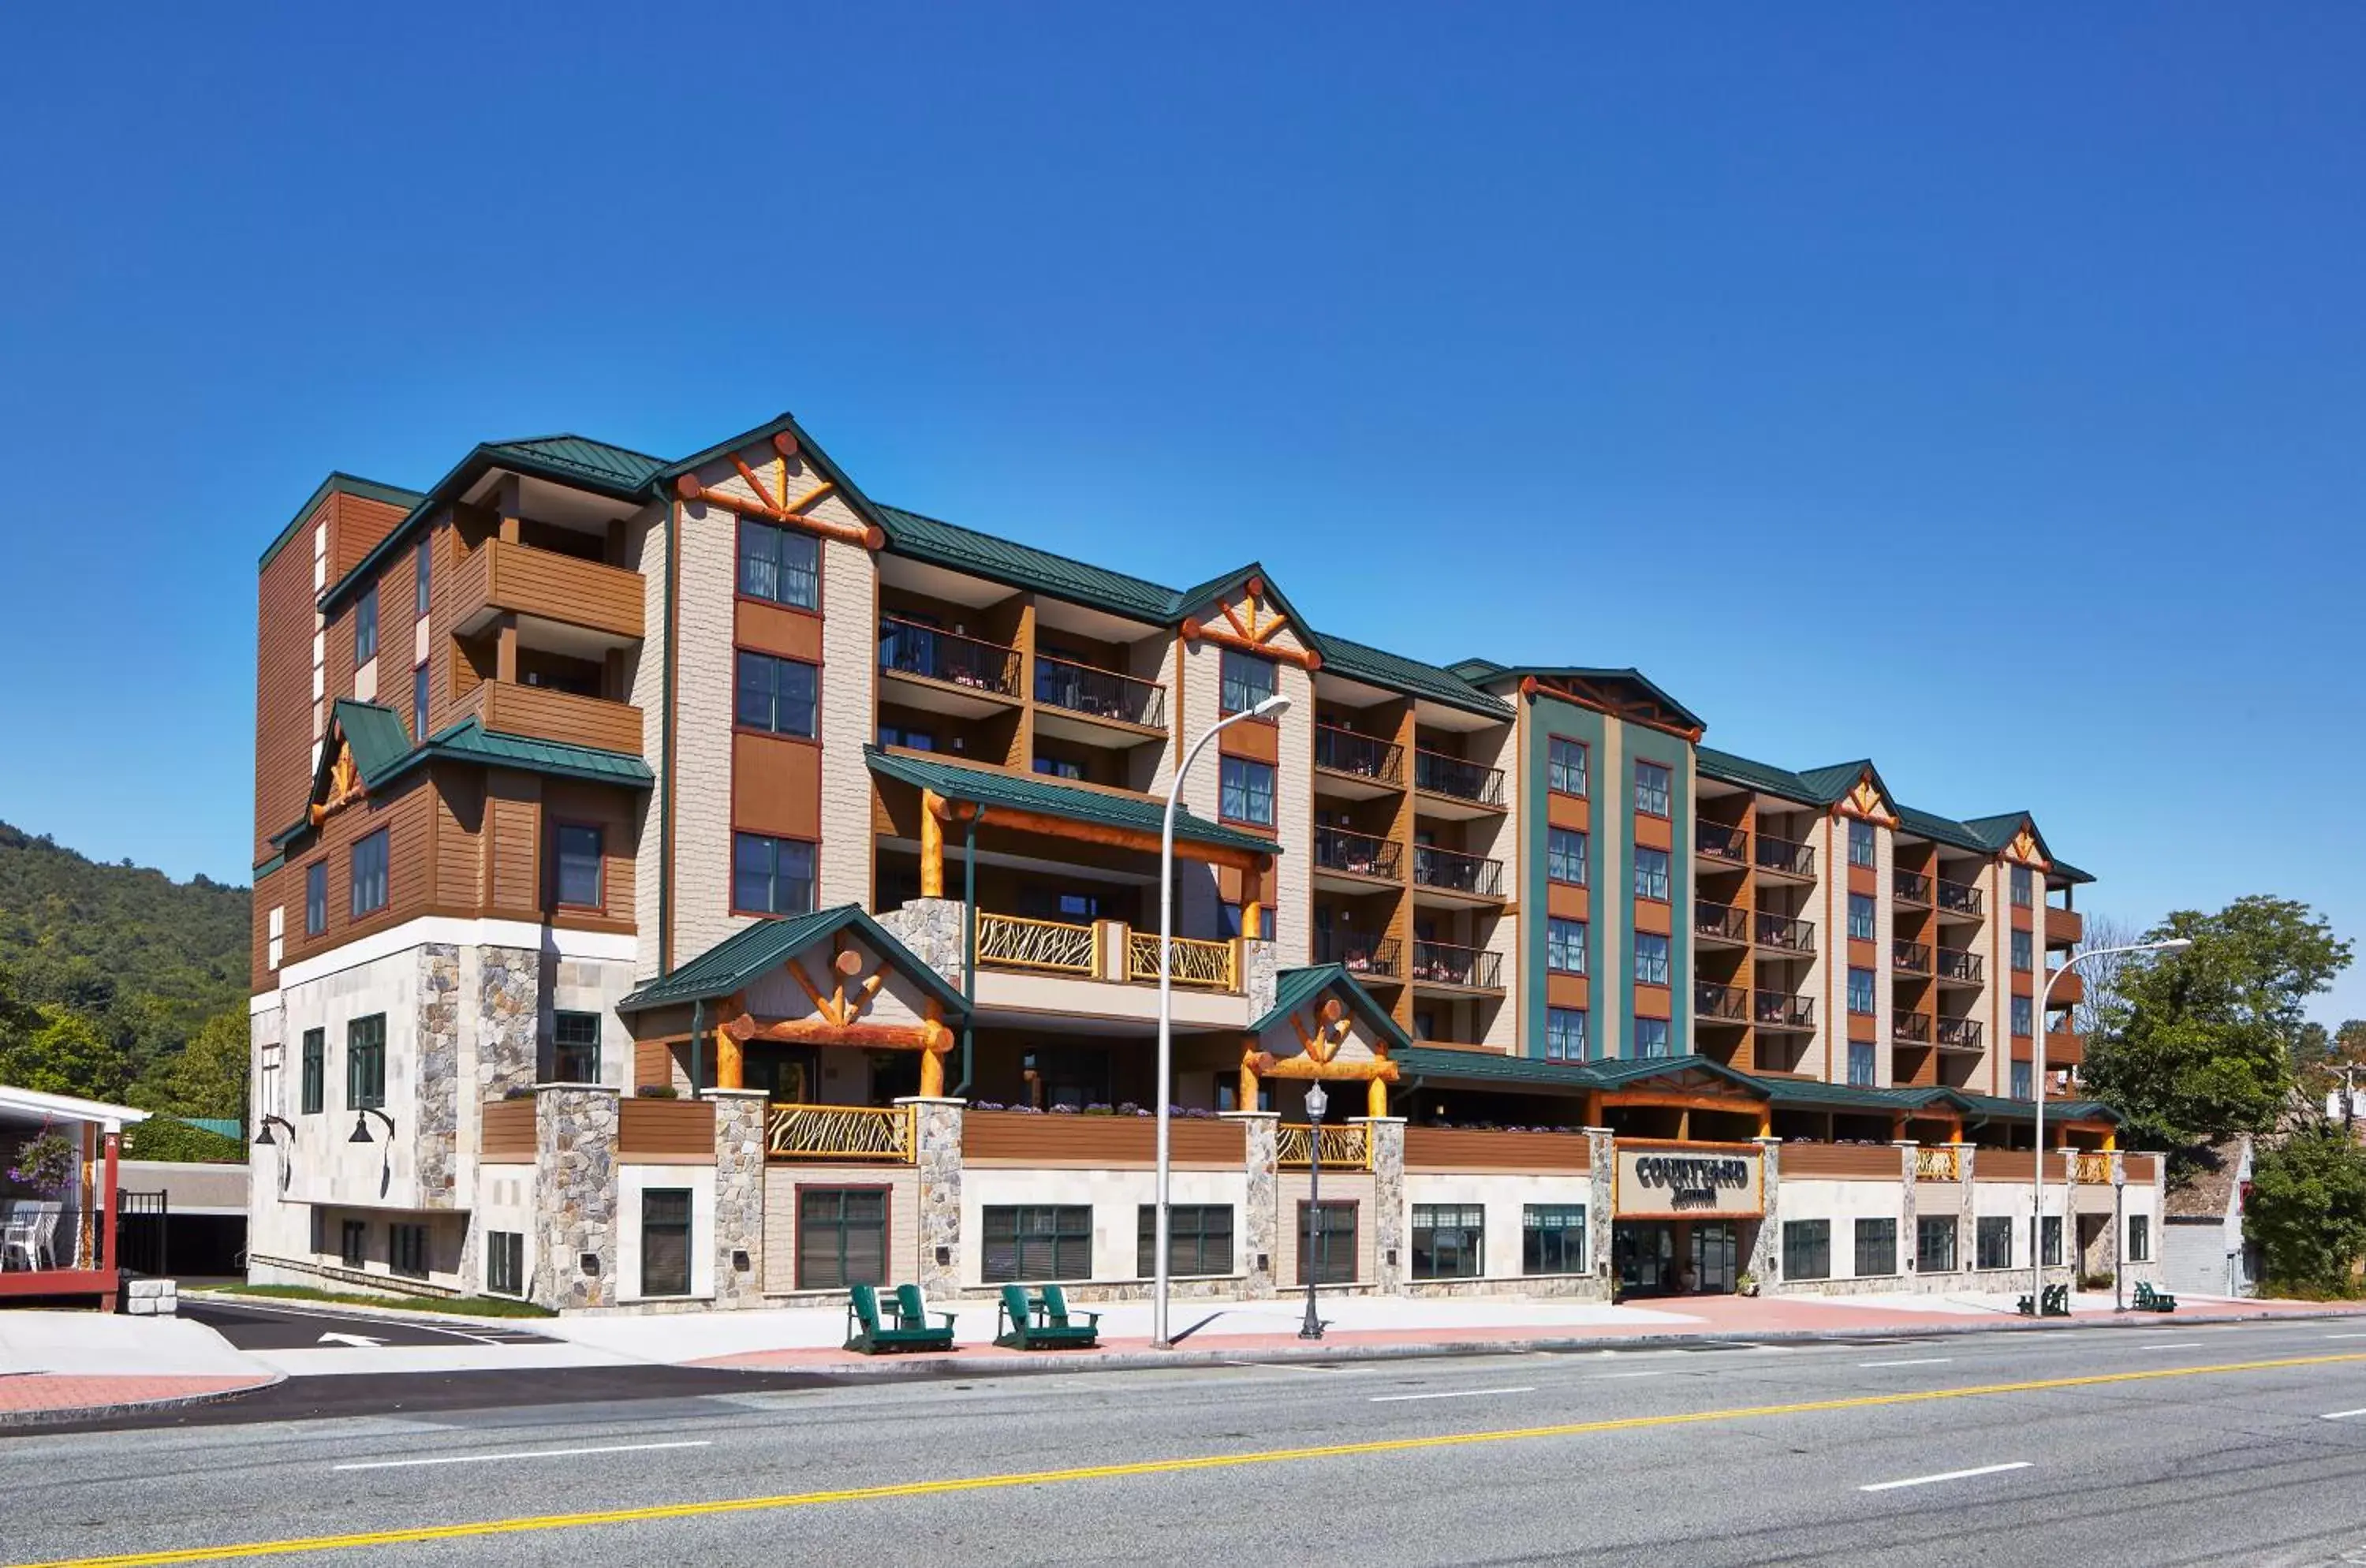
63, 1415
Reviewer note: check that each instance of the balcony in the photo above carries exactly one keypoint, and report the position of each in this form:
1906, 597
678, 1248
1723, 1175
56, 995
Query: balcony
1958, 1034
1720, 1004
1958, 968
2065, 1047
1113, 707
1781, 857
1366, 957
1190, 961
1456, 788
2064, 928
1909, 886
545, 713
1107, 951
1358, 766
1910, 1028
1782, 932
838, 1132
944, 672
1720, 843
1958, 899
1462, 877
1295, 1144
502, 578
1342, 854
1774, 1010
1910, 957
1720, 924
1443, 964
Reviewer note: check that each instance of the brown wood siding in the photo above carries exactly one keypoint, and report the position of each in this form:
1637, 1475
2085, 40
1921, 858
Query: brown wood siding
2143, 1168
528, 581
405, 816
1654, 833
1864, 879
283, 689
459, 839
1456, 1148
514, 844
357, 525
666, 1127
776, 787
1017, 1137
1568, 811
770, 628
2009, 1165
610, 811
1653, 917
1567, 902
1563, 990
653, 1062
547, 714
506, 1130
1653, 1001
1878, 1163
1258, 740
1862, 953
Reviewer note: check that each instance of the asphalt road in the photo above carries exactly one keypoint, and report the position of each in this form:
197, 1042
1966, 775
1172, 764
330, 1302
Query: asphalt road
2156, 1447
273, 1326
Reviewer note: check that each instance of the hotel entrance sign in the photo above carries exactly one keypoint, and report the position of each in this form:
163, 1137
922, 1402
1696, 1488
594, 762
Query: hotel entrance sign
1676, 1182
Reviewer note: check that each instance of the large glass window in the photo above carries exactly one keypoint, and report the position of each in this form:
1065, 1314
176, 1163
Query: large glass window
842, 1238
1247, 681
1652, 875
1335, 1244
575, 1047
1199, 1239
579, 864
505, 1263
1564, 1035
419, 703
1876, 1248
1552, 1238
771, 877
775, 695
2024, 1015
665, 1241
779, 564
406, 1250
353, 1242
366, 626
1652, 1037
1807, 1250
1860, 842
316, 897
1564, 945
366, 1063
1246, 790
1045, 1241
1934, 1243
1565, 856
368, 882
2139, 1238
1860, 990
1567, 768
2023, 1080
1860, 916
2024, 955
2049, 1240
1448, 1241
1993, 1242
1653, 784
1860, 1064
2023, 887
1650, 958
316, 1073
419, 577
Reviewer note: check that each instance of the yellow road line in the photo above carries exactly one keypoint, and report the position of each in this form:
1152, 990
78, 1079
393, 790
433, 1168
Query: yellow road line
1146, 1467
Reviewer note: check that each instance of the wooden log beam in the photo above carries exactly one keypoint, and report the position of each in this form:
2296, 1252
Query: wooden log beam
930, 1035
870, 537
1738, 1105
1125, 837
1265, 1063
1304, 657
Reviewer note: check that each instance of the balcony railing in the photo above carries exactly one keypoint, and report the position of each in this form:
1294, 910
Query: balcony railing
1911, 887
1193, 961
1345, 751
1438, 773
1957, 964
1728, 1004
839, 1131
1102, 693
1783, 855
1958, 898
1721, 841
1910, 957
1016, 942
1782, 932
545, 713
1444, 963
1777, 1011
1360, 954
1910, 1028
2092, 1167
1359, 854
908, 648
1939, 1162
1959, 1033
1344, 1148
499, 575
1720, 921
1456, 872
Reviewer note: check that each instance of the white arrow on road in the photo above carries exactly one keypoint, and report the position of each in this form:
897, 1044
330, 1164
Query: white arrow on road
358, 1341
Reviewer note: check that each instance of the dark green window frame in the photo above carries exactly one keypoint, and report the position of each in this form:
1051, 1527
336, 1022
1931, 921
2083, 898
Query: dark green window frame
1449, 1241
505, 1263
1552, 1238
2139, 1238
368, 883
1199, 1239
842, 1237
1334, 1242
366, 1063
1876, 1248
1807, 1250
575, 1047
406, 1250
2049, 1239
316, 898
1037, 1241
665, 1241
353, 1244
1934, 1243
316, 1073
1992, 1241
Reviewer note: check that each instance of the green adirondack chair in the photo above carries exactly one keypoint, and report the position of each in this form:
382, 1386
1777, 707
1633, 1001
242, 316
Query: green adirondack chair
1042, 1323
2150, 1299
865, 1331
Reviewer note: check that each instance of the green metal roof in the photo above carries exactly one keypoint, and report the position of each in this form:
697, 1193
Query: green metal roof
1024, 791
338, 483
1937, 829
1836, 780
470, 741
1480, 1067
1728, 768
1995, 832
1024, 566
376, 733
1360, 662
1294, 989
753, 952
618, 467
1603, 673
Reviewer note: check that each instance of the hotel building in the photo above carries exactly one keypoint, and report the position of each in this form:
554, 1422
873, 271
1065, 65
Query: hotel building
691, 881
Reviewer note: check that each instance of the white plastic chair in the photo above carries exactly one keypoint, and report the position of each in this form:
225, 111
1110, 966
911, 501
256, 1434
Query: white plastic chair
20, 1232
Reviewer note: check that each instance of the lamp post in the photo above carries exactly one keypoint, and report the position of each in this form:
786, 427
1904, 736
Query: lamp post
1269, 707
1317, 1102
2037, 1097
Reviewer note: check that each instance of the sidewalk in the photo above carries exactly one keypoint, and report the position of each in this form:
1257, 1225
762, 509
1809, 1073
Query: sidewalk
59, 1366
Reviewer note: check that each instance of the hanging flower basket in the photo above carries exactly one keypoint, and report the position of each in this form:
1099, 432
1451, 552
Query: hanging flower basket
45, 1165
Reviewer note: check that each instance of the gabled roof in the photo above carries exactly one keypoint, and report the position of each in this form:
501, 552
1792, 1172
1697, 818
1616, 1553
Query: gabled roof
1937, 829
617, 467
1726, 768
1026, 792
338, 483
753, 952
1486, 1067
1294, 989
1995, 832
375, 732
1629, 677
1378, 667
1628, 1071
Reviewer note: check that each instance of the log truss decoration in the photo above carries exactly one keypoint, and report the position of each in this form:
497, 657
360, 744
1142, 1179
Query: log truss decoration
1866, 801
2025, 849
774, 505
1250, 627
1319, 1059
345, 785
1645, 709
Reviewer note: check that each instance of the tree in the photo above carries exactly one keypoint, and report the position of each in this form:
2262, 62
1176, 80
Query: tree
2092, 1013
2307, 1210
209, 1076
61, 1054
2200, 1044
2328, 1061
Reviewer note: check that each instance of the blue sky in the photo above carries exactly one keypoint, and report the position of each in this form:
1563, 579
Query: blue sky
1980, 393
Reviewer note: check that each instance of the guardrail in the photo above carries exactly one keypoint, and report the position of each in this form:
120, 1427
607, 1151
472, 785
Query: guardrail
1344, 1148
1193, 961
839, 1131
1100, 693
1016, 942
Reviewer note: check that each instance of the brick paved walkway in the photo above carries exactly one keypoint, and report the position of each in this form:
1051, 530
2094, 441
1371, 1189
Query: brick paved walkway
31, 1397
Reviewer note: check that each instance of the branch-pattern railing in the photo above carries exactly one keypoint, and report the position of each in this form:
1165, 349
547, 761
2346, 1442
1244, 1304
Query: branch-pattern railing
1195, 962
1344, 1149
1016, 942
839, 1131
2093, 1167
1939, 1162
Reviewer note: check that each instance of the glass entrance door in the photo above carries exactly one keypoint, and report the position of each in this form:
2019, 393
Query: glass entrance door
1716, 1253
1644, 1251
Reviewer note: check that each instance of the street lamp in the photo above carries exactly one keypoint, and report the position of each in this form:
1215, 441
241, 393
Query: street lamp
1317, 1102
1268, 708
2037, 1094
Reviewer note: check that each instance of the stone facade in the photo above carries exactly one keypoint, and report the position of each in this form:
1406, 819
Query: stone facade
1260, 969
1388, 1238
439, 1074
738, 1197
937, 1141
931, 928
575, 1183
509, 1019
1261, 1217
1764, 1263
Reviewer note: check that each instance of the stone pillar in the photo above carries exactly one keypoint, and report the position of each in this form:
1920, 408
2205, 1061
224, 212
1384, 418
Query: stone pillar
438, 1036
1260, 1230
739, 1196
937, 1151
2110, 1237
931, 928
509, 1019
1906, 1215
1260, 969
575, 1196
1967, 1229
1601, 1204
1388, 1238
1765, 1262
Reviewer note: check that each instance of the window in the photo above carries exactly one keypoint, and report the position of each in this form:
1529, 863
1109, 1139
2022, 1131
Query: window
2023, 957
1199, 1239
1247, 681
779, 564
2022, 1085
1807, 1250
1652, 875
771, 877
665, 1241
842, 1238
1934, 1242
316, 1073
1860, 1064
1565, 856
366, 627
1247, 793
419, 577
1564, 1035
316, 897
1993, 1242
775, 695
2139, 1238
2049, 1239
353, 1248
419, 703
1552, 1238
1860, 845
1860, 916
366, 1063
579, 865
910, 739
1566, 767
1876, 1248
505, 1263
1334, 1243
1039, 1242
406, 1250
2024, 1015
1652, 783
575, 1047
1059, 767
369, 889
2023, 890
1564, 946
1650, 958
1448, 1241
1650, 1037
1860, 990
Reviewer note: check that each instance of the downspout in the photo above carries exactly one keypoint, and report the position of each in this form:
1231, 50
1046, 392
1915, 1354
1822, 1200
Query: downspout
969, 947
697, 1046
665, 781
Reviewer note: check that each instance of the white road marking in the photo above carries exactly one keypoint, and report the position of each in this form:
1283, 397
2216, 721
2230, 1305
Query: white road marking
1286, 1366
2346, 1336
535, 1453
1605, 1377
358, 1341
2175, 1345
2340, 1414
1447, 1393
1919, 1362
1948, 1475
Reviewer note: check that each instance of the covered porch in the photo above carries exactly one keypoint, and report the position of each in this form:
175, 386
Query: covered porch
57, 1197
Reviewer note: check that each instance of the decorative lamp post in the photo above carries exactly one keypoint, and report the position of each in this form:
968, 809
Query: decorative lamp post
1317, 1102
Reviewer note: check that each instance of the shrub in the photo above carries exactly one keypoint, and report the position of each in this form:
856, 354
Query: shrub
2307, 1212
657, 1091
169, 1138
